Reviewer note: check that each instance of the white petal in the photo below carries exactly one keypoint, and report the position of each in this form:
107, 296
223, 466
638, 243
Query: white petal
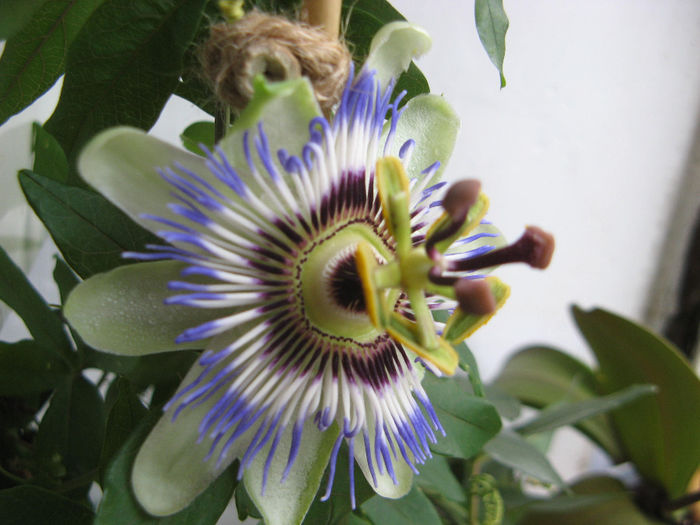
170, 469
286, 502
431, 122
121, 164
393, 48
123, 311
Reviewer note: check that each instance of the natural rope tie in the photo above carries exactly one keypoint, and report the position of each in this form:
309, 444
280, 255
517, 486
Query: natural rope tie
277, 48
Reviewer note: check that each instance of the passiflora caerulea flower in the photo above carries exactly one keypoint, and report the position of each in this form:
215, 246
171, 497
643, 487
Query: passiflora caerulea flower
303, 255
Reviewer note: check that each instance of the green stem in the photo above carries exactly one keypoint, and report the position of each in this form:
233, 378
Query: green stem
13, 477
474, 498
222, 121
682, 502
475, 381
80, 481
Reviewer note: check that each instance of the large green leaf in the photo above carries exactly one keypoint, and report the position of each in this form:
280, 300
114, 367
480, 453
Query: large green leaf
143, 371
413, 509
510, 449
35, 56
660, 433
42, 322
118, 504
198, 133
90, 231
365, 18
28, 368
30, 505
64, 278
570, 413
599, 501
122, 68
14, 15
125, 413
469, 421
492, 24
70, 435
541, 376
437, 477
49, 158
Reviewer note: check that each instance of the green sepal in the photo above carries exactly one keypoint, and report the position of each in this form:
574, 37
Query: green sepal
394, 195
474, 216
461, 325
407, 333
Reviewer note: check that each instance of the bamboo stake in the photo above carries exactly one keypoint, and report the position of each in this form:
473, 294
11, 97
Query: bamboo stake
323, 13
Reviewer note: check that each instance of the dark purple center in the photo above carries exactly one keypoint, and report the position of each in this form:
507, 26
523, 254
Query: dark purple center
346, 286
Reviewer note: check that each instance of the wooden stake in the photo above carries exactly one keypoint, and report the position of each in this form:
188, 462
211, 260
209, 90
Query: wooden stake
324, 14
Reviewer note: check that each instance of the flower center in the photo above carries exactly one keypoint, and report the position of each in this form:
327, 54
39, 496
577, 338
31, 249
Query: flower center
329, 285
346, 286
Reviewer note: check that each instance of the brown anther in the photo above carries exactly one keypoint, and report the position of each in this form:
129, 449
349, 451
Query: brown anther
541, 247
474, 296
460, 197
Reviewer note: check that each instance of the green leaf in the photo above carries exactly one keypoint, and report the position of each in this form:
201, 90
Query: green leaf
143, 371
364, 19
628, 353
35, 56
469, 421
507, 406
244, 505
90, 231
122, 68
14, 15
41, 321
118, 504
436, 476
49, 158
510, 449
28, 368
541, 376
70, 434
196, 134
492, 24
277, 6
570, 413
598, 500
125, 414
31, 505
192, 85
64, 278
413, 509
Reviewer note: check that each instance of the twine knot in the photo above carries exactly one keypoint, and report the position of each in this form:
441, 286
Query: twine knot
277, 48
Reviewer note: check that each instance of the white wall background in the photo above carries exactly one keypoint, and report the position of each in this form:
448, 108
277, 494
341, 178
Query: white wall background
589, 140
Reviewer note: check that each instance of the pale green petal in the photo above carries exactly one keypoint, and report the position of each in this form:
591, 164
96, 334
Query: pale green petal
121, 164
432, 123
393, 48
385, 485
284, 109
170, 469
286, 502
122, 311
